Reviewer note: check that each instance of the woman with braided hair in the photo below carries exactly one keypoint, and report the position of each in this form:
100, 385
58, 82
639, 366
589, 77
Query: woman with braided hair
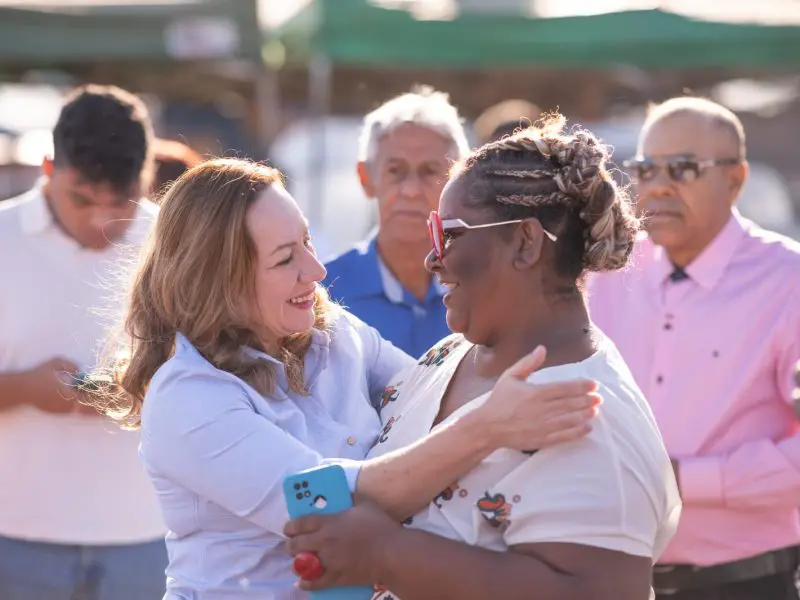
520, 223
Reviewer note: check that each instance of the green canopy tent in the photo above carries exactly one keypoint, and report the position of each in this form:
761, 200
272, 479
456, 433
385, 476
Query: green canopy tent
193, 49
362, 34
357, 32
168, 31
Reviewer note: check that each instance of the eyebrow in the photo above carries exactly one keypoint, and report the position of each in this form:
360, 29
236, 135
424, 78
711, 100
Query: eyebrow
283, 247
306, 232
78, 194
119, 198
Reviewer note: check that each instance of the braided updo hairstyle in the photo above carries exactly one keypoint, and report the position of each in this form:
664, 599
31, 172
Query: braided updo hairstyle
559, 178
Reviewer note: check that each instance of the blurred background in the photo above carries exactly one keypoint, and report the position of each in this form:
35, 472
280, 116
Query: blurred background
288, 81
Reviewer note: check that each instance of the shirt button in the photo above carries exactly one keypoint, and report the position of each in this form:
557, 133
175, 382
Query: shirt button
659, 379
667, 326
351, 441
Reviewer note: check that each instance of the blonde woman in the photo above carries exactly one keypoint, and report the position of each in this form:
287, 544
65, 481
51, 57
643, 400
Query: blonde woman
520, 223
241, 372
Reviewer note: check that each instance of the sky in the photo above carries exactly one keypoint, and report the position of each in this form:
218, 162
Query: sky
275, 12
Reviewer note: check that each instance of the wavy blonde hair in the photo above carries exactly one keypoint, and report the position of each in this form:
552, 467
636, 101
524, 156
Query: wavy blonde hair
196, 277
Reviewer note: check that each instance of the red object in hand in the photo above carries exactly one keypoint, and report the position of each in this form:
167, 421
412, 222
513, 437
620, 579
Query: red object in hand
308, 566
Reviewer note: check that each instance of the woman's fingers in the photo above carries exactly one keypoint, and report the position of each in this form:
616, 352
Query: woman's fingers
519, 413
304, 524
555, 426
570, 418
573, 403
301, 543
569, 434
563, 389
527, 365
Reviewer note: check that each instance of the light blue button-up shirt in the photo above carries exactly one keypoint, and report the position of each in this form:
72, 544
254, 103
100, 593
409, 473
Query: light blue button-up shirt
360, 280
217, 452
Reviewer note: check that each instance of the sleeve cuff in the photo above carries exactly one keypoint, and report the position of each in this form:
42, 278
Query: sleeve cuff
352, 469
700, 480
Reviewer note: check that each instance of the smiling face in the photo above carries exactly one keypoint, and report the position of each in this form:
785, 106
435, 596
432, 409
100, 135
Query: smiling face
406, 176
684, 217
286, 268
478, 268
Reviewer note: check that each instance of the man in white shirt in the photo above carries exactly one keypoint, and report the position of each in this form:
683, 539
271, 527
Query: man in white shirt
78, 516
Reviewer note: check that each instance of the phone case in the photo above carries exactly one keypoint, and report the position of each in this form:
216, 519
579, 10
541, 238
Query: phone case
323, 490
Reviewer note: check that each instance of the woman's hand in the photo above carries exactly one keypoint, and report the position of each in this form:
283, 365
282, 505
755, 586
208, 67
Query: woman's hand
525, 416
349, 544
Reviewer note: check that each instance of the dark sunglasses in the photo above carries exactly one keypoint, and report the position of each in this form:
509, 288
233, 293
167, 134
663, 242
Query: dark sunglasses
679, 169
440, 231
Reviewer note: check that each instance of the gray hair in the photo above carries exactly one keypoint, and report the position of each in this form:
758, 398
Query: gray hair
422, 106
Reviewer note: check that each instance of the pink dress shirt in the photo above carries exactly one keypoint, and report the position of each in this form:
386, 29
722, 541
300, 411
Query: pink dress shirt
714, 356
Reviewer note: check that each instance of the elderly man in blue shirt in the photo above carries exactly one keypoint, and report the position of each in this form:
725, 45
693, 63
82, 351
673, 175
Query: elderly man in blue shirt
405, 151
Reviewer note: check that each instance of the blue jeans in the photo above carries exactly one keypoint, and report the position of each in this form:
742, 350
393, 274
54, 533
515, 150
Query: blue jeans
40, 571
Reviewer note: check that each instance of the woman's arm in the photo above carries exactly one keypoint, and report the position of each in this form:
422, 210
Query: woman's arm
202, 433
517, 415
582, 521
415, 564
423, 566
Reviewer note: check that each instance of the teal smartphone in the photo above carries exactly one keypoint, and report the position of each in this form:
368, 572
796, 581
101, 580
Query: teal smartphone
323, 491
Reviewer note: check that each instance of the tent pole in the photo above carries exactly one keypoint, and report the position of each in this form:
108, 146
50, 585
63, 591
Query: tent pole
319, 85
268, 108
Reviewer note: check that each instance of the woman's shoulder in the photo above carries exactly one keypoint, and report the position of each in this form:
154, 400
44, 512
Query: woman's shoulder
349, 334
426, 366
605, 366
188, 383
343, 323
345, 328
402, 389
624, 432
616, 381
349, 337
442, 351
621, 497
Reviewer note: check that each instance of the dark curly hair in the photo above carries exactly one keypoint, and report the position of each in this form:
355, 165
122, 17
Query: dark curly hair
559, 178
105, 134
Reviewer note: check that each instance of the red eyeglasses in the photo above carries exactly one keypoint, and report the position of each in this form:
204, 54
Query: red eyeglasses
438, 230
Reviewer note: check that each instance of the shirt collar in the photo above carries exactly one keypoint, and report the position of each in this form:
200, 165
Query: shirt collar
391, 286
393, 289
316, 359
369, 281
37, 218
710, 264
318, 338
35, 215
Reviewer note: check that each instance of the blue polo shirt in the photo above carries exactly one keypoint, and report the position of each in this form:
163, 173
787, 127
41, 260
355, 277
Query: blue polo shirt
360, 281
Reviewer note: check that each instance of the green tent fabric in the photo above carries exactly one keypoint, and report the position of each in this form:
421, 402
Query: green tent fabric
166, 31
355, 32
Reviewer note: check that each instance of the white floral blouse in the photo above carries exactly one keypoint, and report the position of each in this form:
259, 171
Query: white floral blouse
607, 490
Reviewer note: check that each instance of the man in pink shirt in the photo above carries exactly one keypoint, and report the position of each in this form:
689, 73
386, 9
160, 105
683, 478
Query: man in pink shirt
708, 319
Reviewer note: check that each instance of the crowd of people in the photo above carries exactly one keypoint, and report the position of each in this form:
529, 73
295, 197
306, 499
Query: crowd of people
537, 385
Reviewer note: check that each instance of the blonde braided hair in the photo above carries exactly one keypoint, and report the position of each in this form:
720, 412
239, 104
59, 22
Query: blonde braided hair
559, 174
